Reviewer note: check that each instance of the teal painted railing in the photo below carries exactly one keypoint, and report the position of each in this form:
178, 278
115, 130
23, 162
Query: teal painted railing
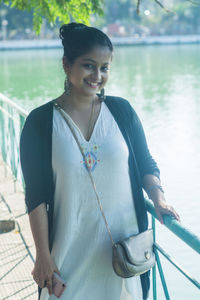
12, 118
189, 238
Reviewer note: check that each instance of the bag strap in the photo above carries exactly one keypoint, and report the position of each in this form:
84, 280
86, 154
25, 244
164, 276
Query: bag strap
57, 107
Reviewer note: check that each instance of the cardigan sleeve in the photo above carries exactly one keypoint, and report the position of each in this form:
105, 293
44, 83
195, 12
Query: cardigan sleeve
32, 162
145, 161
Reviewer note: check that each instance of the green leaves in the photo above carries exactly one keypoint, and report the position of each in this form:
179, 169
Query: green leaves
63, 11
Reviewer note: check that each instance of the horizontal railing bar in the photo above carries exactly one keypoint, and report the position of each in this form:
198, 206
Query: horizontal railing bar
5, 99
162, 251
179, 230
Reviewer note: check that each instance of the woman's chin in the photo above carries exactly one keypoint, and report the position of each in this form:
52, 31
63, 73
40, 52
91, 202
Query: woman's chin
91, 92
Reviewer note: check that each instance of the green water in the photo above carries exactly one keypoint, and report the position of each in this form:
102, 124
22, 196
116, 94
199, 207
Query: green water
162, 83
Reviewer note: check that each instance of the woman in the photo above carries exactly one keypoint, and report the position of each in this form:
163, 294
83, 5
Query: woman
69, 232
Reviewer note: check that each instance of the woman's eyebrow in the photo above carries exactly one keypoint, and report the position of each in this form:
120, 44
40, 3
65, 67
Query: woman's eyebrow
93, 61
89, 59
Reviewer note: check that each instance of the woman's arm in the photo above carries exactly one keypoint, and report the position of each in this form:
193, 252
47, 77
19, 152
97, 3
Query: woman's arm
151, 185
148, 169
44, 265
39, 226
35, 156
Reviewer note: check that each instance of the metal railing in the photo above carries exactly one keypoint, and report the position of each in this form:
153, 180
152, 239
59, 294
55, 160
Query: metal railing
12, 118
189, 238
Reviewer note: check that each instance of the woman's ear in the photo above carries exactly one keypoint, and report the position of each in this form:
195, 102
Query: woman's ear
66, 64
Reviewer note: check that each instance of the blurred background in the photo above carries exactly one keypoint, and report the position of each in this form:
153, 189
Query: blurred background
157, 68
120, 19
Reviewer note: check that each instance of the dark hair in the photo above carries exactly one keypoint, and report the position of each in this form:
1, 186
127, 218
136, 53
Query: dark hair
78, 39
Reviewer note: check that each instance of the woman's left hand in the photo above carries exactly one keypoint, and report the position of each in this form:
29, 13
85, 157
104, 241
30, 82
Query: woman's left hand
162, 208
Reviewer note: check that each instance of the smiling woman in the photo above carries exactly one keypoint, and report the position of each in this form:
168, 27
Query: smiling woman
89, 73
85, 131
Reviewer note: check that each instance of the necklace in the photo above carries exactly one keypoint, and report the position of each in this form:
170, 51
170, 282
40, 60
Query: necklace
91, 117
90, 121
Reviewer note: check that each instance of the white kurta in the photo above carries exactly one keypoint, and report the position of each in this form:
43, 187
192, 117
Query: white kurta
82, 249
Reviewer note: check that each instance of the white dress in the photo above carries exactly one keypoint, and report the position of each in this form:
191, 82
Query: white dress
82, 249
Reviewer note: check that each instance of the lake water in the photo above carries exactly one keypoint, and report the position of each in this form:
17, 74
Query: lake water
162, 83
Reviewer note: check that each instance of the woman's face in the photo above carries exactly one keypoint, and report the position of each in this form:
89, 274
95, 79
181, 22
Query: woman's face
89, 72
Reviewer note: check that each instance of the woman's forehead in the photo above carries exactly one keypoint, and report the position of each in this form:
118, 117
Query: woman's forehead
98, 54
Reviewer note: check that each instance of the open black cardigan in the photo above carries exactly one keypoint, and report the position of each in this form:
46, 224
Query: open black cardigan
36, 161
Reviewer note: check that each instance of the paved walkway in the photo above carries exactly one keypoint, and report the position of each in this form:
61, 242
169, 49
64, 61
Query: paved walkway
16, 247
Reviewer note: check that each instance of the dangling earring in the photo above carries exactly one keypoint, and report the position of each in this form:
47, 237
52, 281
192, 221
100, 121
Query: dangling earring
67, 86
102, 95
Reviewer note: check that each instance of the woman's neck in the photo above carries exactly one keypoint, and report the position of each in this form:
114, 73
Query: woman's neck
75, 102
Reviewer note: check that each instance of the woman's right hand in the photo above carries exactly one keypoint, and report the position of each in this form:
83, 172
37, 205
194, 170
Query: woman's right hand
43, 271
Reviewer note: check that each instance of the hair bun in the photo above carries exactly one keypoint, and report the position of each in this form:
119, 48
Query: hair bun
78, 39
66, 29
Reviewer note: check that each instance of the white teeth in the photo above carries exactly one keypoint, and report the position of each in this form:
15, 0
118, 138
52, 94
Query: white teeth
93, 83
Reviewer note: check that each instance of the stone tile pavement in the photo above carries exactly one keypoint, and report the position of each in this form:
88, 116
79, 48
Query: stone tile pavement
16, 247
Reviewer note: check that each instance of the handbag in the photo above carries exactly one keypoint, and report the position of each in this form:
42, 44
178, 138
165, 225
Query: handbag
132, 256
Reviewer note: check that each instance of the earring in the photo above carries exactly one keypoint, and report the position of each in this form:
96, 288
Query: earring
67, 87
102, 95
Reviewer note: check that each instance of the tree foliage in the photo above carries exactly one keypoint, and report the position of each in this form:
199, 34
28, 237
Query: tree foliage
63, 11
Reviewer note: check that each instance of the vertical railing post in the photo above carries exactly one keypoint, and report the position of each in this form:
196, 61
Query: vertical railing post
12, 139
22, 120
162, 277
159, 268
154, 268
3, 139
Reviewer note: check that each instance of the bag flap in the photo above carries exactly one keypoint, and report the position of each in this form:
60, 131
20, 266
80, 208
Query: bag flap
139, 247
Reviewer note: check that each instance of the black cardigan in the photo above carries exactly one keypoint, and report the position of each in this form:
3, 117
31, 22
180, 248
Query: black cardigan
36, 161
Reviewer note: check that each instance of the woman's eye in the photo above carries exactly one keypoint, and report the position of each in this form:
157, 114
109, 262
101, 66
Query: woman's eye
88, 66
105, 69
91, 67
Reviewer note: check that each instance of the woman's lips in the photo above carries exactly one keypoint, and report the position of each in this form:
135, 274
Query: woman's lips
92, 84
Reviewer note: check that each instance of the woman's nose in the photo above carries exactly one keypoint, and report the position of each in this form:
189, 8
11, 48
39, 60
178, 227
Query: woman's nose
97, 75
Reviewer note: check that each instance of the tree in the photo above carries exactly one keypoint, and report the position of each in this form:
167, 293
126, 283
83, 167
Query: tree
63, 11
